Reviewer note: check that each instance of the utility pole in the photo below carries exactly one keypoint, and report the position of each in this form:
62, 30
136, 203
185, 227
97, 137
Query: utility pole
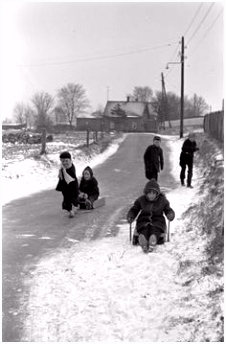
165, 102
108, 91
182, 89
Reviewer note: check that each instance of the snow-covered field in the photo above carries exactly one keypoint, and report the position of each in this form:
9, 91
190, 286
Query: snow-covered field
108, 290
22, 177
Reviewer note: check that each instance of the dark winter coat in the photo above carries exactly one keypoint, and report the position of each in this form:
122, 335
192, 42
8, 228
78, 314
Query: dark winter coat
187, 153
153, 158
151, 212
90, 187
69, 191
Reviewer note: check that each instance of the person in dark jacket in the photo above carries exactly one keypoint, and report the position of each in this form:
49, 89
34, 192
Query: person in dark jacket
186, 159
153, 159
68, 183
88, 189
150, 209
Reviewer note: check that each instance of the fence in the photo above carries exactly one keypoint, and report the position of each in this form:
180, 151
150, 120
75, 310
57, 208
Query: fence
214, 124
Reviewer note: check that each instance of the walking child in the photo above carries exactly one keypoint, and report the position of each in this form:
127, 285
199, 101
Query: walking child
68, 183
186, 159
88, 189
153, 159
150, 223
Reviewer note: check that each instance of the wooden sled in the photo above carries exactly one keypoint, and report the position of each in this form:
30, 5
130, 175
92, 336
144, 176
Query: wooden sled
96, 204
99, 202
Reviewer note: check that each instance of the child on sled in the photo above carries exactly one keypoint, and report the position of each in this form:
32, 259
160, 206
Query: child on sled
88, 189
68, 183
150, 223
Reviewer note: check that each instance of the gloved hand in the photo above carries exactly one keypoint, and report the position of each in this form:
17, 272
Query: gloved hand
170, 216
129, 219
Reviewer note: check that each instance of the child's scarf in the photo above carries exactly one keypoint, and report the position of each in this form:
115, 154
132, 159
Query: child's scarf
68, 179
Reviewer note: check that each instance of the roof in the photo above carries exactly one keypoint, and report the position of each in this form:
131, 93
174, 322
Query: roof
128, 108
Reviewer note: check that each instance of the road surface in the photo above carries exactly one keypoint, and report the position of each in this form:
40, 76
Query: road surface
34, 226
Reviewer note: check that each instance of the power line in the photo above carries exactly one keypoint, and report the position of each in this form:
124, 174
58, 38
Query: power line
199, 25
99, 57
193, 19
210, 27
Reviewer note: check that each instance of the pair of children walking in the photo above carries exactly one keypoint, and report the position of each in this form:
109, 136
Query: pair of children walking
74, 194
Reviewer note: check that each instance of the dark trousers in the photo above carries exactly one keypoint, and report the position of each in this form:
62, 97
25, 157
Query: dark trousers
183, 171
151, 174
148, 230
68, 200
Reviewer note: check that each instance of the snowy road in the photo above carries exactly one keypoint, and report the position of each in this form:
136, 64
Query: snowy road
70, 280
35, 226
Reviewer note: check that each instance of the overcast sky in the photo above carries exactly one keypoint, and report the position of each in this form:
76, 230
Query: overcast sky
110, 48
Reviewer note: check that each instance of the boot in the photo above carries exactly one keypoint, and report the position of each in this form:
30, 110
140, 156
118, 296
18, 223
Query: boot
143, 243
71, 213
152, 242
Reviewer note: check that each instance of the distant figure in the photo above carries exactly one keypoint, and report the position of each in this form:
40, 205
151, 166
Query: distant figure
153, 159
68, 183
151, 223
186, 159
88, 189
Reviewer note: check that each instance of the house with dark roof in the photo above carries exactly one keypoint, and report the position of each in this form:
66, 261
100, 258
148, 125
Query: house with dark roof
125, 116
130, 116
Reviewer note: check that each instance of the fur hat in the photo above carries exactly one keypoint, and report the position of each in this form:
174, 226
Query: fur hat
151, 185
157, 138
65, 155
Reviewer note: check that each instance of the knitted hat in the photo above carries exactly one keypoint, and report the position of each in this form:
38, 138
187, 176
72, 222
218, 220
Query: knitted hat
157, 138
151, 185
65, 155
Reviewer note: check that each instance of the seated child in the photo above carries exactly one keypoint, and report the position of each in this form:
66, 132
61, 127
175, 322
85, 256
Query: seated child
88, 189
68, 183
150, 222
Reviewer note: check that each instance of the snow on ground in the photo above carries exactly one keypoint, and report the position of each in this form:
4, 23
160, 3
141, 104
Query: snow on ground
27, 176
108, 290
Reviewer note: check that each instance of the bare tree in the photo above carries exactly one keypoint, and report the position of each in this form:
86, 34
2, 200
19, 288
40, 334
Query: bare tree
23, 114
29, 115
18, 112
43, 103
199, 106
73, 102
142, 94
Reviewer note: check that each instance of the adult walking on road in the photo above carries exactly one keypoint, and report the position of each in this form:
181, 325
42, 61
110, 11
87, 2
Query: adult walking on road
153, 159
186, 159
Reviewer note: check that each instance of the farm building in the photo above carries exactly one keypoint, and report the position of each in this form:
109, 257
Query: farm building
126, 116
